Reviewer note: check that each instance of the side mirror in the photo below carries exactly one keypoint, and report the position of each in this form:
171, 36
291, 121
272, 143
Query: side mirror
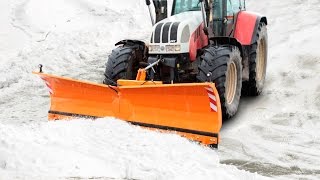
147, 2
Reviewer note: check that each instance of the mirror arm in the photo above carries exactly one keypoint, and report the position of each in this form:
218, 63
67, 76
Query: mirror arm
149, 7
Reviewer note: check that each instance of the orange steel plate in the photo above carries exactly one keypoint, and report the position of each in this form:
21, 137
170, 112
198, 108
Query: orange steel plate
192, 110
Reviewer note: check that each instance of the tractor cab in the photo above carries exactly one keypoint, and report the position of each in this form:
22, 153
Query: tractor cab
219, 15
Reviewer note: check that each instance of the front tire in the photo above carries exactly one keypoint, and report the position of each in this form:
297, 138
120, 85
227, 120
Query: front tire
123, 63
222, 66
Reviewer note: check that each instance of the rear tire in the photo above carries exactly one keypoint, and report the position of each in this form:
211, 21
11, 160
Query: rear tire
222, 66
258, 55
123, 63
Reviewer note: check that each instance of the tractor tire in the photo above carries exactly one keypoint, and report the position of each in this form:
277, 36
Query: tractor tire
123, 63
222, 65
258, 55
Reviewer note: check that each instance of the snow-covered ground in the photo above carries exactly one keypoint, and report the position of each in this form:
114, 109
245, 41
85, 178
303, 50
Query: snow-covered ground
275, 134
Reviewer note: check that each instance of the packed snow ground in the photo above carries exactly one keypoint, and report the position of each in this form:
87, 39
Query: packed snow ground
275, 134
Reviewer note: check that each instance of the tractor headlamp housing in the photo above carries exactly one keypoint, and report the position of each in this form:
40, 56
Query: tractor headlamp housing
166, 48
154, 48
169, 48
173, 48
177, 47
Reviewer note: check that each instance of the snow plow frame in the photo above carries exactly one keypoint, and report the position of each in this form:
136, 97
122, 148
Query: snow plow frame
191, 110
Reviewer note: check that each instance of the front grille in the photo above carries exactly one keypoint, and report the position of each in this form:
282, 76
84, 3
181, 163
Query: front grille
157, 33
173, 33
163, 31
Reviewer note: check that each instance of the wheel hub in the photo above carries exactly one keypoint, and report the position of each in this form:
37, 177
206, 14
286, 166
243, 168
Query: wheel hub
261, 61
231, 82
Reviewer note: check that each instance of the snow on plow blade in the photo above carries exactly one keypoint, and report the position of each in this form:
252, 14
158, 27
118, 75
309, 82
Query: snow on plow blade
192, 110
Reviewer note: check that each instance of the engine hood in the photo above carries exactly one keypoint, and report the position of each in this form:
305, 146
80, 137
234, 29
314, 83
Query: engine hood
177, 28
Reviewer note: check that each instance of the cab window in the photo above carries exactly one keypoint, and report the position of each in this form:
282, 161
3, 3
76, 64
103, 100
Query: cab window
186, 5
242, 3
217, 9
233, 6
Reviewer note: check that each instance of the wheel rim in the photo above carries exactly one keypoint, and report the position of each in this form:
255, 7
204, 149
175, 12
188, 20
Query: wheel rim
231, 82
261, 61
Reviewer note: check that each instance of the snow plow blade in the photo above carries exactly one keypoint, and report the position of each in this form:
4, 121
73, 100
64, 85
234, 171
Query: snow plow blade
192, 110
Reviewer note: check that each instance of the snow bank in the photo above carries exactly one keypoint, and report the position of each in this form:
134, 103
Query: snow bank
106, 148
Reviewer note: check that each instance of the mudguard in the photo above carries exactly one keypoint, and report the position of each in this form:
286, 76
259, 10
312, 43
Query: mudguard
197, 41
192, 110
130, 42
247, 26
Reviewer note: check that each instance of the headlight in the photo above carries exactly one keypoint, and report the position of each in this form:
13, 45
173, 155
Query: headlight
177, 47
154, 48
169, 48
173, 48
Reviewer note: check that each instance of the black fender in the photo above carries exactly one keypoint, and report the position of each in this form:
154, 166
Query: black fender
227, 40
140, 45
130, 42
260, 19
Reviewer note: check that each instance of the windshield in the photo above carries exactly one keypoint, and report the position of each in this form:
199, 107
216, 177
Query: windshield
180, 6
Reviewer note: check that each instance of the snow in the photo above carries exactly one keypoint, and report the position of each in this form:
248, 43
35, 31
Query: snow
105, 148
275, 134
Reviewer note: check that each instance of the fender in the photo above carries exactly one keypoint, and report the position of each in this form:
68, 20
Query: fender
130, 42
228, 40
134, 43
247, 27
198, 40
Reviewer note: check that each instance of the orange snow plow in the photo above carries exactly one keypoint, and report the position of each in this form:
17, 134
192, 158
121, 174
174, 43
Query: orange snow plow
192, 110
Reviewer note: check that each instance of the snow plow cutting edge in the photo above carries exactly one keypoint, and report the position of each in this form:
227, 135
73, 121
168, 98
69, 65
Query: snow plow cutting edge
192, 110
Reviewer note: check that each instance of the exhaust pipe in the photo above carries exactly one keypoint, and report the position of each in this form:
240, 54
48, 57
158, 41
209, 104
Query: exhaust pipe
151, 17
203, 11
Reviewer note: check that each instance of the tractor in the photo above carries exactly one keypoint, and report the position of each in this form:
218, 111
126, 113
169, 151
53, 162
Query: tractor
215, 41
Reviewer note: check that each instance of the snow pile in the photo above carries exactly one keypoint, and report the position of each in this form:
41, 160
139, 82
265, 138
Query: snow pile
105, 148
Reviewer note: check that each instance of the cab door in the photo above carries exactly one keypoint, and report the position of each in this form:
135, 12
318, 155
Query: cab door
233, 7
